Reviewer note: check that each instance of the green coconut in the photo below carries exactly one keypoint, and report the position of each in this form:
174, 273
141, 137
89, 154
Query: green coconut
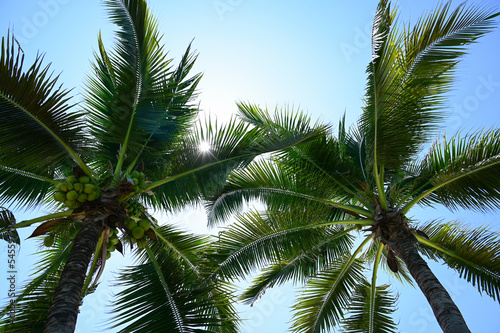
131, 225
138, 232
71, 179
70, 203
93, 196
88, 188
60, 196
78, 187
48, 241
145, 224
72, 195
82, 197
66, 187
141, 243
142, 184
84, 179
134, 174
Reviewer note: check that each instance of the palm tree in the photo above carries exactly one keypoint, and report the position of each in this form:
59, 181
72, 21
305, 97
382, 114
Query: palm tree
365, 181
132, 144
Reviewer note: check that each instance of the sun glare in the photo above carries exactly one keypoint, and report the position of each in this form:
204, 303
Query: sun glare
204, 147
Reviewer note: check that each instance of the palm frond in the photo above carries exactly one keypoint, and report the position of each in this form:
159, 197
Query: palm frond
461, 172
164, 294
33, 106
473, 253
232, 146
279, 189
305, 264
321, 306
410, 76
137, 104
256, 240
371, 316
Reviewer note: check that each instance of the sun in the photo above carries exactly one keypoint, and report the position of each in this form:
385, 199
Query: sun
204, 147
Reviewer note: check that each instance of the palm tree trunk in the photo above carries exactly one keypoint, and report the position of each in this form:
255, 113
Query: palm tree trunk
446, 312
64, 307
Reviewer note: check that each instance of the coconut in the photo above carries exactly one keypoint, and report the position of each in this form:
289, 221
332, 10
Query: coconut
142, 184
71, 179
84, 179
60, 196
145, 224
66, 187
78, 187
134, 174
70, 203
72, 195
82, 197
93, 196
138, 232
88, 188
141, 243
131, 225
48, 241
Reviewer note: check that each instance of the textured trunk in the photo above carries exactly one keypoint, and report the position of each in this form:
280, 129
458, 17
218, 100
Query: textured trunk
64, 307
446, 312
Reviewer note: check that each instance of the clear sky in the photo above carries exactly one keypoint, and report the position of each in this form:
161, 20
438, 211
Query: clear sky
311, 55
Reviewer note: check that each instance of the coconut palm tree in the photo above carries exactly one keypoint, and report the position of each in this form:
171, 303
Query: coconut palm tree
99, 165
364, 181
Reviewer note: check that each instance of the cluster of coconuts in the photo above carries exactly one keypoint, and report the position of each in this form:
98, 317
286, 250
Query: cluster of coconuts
138, 178
134, 208
75, 191
137, 230
112, 241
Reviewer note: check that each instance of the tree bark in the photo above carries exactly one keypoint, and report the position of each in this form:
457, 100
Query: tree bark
63, 310
446, 312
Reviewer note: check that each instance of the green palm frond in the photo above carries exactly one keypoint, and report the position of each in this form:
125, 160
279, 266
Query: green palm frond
165, 294
306, 263
256, 240
321, 306
371, 316
272, 183
232, 146
32, 105
410, 75
461, 172
473, 253
137, 104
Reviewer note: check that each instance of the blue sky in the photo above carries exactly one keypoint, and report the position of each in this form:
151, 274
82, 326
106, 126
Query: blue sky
311, 55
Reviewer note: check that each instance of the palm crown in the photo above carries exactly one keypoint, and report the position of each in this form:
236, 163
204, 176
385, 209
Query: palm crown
131, 144
366, 180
